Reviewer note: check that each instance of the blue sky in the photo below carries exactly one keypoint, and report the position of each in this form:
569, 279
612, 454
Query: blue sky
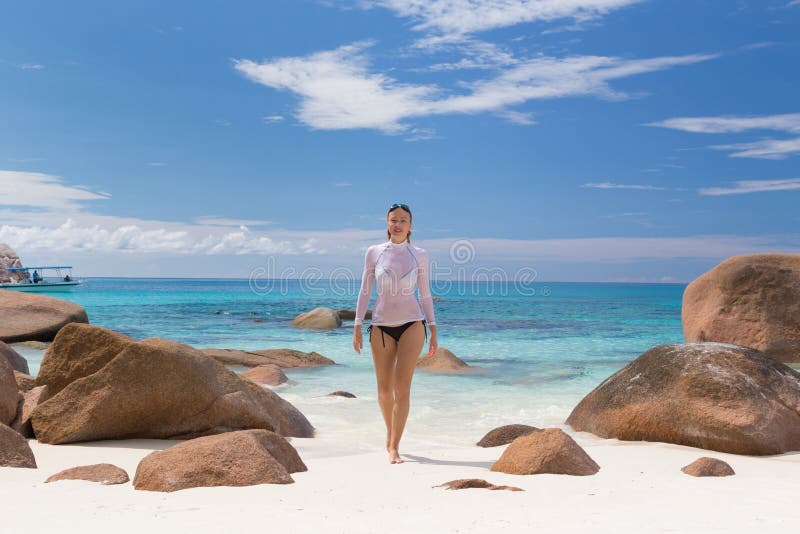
598, 140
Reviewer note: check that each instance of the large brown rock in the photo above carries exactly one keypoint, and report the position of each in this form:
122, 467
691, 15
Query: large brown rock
243, 458
79, 350
708, 467
751, 300
503, 435
15, 360
266, 375
106, 474
14, 449
283, 358
548, 451
161, 389
443, 361
30, 400
707, 395
35, 317
9, 394
9, 258
319, 318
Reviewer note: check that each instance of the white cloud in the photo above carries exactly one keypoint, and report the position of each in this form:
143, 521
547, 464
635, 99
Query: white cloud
609, 185
753, 186
71, 236
36, 190
616, 249
789, 122
222, 221
30, 66
477, 55
343, 184
159, 239
269, 119
517, 117
88, 233
765, 149
550, 77
156, 164
626, 214
47, 229
460, 17
421, 134
337, 91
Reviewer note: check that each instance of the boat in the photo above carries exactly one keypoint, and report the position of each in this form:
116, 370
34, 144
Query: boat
42, 278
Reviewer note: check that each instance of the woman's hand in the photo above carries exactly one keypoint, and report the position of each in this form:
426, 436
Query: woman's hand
433, 344
358, 339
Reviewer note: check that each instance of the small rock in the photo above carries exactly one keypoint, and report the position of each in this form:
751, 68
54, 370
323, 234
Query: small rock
9, 258
9, 393
548, 451
503, 435
708, 467
268, 375
283, 358
466, 483
24, 382
14, 449
17, 362
30, 401
443, 361
319, 318
242, 458
342, 394
258, 320
106, 474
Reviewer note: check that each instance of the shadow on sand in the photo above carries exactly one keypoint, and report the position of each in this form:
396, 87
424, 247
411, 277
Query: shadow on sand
462, 463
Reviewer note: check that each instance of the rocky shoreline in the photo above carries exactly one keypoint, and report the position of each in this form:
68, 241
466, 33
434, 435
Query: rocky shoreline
95, 384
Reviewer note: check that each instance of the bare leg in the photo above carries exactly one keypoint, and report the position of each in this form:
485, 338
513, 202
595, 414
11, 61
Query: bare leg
385, 359
408, 350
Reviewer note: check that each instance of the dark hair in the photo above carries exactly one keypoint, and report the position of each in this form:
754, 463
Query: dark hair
405, 208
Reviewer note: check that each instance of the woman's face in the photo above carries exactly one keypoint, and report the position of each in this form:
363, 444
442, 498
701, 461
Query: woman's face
399, 224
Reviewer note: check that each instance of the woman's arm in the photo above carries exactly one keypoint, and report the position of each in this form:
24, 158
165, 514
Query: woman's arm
426, 300
364, 295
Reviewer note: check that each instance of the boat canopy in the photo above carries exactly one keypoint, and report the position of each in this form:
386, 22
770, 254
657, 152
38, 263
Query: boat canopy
39, 267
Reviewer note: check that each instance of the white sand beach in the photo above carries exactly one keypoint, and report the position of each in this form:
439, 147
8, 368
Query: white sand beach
639, 488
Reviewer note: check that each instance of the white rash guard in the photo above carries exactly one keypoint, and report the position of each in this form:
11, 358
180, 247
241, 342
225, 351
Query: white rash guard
398, 271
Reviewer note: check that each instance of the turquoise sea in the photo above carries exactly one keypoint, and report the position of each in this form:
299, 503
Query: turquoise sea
540, 347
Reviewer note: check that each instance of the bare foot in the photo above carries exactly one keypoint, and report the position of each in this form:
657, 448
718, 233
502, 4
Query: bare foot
394, 457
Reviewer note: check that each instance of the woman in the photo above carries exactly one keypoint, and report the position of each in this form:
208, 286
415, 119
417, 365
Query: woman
398, 268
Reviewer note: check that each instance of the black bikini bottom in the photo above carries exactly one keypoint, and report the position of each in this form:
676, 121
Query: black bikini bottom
396, 331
